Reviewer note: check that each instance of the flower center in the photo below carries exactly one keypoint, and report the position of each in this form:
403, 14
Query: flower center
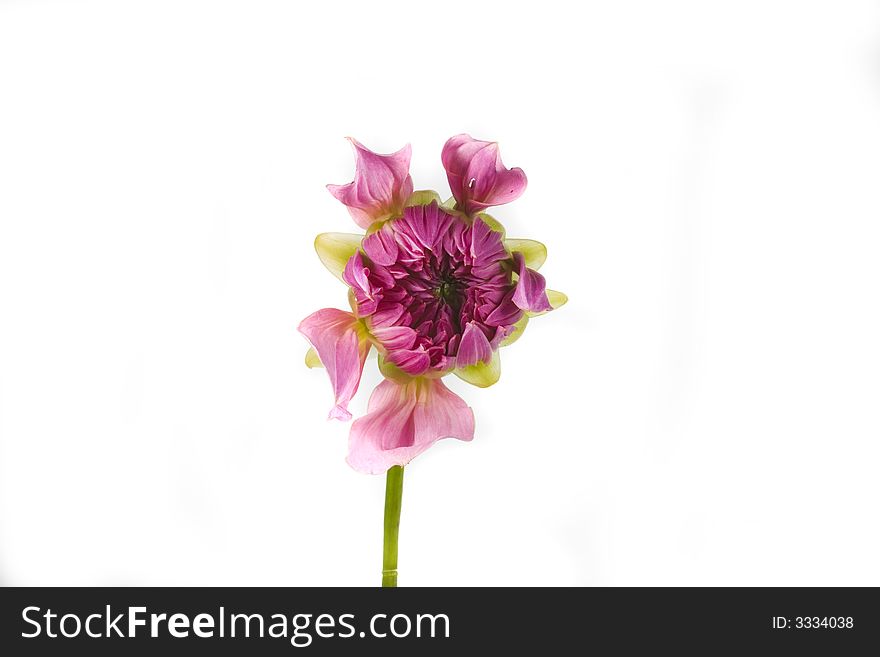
449, 291
436, 274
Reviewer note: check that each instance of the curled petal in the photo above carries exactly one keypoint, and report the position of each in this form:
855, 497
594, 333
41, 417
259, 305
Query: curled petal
381, 185
403, 421
477, 176
556, 299
506, 313
529, 294
341, 346
357, 275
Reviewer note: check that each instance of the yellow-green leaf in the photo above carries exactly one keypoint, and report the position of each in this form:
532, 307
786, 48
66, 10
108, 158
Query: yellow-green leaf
334, 250
492, 223
557, 299
481, 375
533, 251
518, 329
423, 197
312, 359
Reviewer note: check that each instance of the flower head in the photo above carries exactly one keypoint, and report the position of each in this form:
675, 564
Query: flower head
436, 289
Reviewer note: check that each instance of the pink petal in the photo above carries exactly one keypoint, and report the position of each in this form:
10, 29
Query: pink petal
394, 337
477, 176
405, 420
530, 292
357, 275
381, 185
381, 247
506, 313
474, 347
487, 246
412, 361
334, 335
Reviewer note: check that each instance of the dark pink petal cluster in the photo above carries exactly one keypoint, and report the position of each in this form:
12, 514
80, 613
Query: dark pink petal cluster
436, 290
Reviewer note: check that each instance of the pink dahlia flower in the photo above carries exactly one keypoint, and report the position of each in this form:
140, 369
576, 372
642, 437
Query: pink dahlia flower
435, 287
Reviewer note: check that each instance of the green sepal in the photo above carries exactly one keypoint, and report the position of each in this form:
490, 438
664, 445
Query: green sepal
335, 249
376, 226
533, 251
492, 223
423, 197
481, 375
517, 332
557, 299
312, 359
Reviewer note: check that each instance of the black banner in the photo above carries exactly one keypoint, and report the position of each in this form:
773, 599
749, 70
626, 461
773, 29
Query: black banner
277, 621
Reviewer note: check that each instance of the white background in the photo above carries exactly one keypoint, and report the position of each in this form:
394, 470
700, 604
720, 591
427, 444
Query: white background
705, 176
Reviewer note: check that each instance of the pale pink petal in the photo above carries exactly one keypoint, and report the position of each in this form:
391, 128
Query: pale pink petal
530, 293
474, 347
381, 185
403, 421
334, 335
477, 176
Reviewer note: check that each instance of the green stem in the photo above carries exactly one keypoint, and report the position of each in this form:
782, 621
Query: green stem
393, 496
